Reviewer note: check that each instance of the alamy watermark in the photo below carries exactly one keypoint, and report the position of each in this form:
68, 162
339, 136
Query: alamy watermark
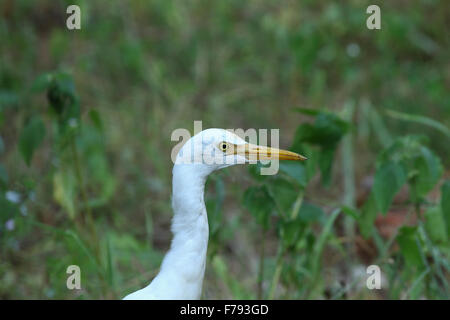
374, 20
374, 279
204, 148
74, 280
73, 22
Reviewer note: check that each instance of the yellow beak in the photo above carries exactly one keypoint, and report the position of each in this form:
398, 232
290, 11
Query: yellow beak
255, 152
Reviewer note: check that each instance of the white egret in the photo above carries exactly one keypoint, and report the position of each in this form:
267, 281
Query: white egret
183, 267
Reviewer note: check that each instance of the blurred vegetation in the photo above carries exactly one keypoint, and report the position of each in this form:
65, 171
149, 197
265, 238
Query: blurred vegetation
85, 124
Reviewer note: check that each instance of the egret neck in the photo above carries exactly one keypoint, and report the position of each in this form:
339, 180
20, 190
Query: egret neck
182, 270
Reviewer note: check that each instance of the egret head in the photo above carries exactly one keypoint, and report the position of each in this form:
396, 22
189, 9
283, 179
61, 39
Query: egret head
219, 148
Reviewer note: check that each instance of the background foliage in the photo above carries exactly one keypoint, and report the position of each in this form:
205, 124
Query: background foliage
85, 124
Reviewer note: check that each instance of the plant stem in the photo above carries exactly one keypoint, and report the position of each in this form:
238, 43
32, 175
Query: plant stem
297, 205
277, 273
87, 218
261, 264
348, 168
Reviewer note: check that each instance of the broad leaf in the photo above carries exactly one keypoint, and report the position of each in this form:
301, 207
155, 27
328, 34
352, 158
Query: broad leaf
407, 239
325, 133
435, 225
310, 213
64, 191
290, 231
423, 168
42, 82
295, 170
368, 214
31, 137
325, 160
308, 111
429, 170
284, 194
96, 119
96, 167
255, 171
389, 178
351, 212
260, 204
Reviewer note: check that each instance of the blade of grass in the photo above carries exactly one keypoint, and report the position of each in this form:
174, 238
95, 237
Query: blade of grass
348, 168
417, 282
277, 273
379, 128
149, 228
109, 263
419, 119
320, 244
318, 248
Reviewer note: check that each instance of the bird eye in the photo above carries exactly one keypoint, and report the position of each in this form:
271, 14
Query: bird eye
223, 146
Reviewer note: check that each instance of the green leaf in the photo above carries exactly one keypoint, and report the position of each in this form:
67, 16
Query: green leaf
63, 101
325, 133
7, 99
403, 149
308, 111
429, 170
295, 170
321, 241
42, 82
435, 225
368, 214
407, 239
61, 92
99, 178
311, 164
96, 119
389, 178
284, 194
255, 171
423, 168
351, 212
260, 204
290, 231
325, 160
64, 191
109, 263
31, 137
310, 213
445, 205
